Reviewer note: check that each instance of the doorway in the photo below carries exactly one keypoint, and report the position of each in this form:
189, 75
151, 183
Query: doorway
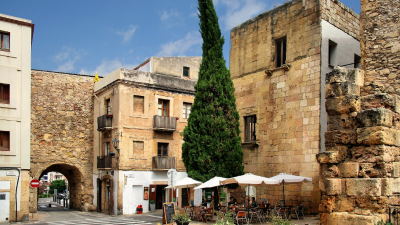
160, 196
4, 206
185, 196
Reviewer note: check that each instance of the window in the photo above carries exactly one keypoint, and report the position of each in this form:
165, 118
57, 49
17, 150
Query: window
5, 41
138, 104
357, 61
186, 71
4, 141
5, 93
250, 128
163, 107
332, 58
280, 52
108, 106
186, 110
162, 149
106, 148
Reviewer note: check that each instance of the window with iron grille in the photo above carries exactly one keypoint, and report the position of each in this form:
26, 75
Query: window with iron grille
186, 110
106, 148
163, 107
280, 52
250, 128
5, 93
162, 149
4, 41
4, 140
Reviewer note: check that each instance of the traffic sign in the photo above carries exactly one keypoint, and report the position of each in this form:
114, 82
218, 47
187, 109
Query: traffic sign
172, 174
34, 183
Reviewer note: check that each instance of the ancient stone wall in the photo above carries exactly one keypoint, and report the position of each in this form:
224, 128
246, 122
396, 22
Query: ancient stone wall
62, 132
380, 48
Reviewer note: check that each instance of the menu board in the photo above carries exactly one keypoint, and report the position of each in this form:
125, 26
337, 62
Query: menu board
168, 211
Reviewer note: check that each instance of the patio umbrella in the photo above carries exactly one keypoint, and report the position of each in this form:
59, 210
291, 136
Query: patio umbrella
186, 182
213, 182
291, 179
250, 179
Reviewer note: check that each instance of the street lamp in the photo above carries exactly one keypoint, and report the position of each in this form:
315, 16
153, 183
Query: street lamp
115, 143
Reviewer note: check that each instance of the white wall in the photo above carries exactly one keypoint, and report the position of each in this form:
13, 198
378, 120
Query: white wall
141, 179
347, 46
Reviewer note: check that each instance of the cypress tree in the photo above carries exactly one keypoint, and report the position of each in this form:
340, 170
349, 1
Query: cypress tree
212, 144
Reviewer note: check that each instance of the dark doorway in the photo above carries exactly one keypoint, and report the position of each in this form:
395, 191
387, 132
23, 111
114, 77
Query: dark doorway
185, 196
160, 196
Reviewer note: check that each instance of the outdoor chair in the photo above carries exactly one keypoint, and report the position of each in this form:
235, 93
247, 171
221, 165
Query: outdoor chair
209, 215
197, 215
256, 214
298, 211
241, 216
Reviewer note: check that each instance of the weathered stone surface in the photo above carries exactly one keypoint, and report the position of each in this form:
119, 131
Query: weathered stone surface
353, 219
334, 154
349, 170
327, 204
330, 170
343, 122
363, 187
375, 117
377, 136
396, 186
342, 105
334, 186
345, 203
369, 170
374, 153
381, 100
386, 186
341, 89
340, 137
396, 169
341, 74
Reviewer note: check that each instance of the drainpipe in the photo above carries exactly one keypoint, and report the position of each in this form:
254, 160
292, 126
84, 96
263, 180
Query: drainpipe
16, 189
97, 124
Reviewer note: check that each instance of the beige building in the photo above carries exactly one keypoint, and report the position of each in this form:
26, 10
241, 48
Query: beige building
278, 62
15, 81
145, 109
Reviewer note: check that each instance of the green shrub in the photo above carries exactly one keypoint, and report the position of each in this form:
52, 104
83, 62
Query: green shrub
279, 221
225, 220
384, 223
45, 196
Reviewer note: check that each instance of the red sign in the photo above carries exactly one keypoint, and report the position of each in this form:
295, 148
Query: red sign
34, 183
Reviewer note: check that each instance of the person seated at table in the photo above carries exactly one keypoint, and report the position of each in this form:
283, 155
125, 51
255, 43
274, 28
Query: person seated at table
253, 202
231, 203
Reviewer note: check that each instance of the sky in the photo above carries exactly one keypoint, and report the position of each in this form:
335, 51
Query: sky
86, 37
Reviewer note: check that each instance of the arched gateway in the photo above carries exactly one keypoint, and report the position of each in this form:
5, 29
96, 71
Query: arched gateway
62, 133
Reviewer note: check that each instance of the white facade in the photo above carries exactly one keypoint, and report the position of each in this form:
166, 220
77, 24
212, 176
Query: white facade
15, 109
342, 55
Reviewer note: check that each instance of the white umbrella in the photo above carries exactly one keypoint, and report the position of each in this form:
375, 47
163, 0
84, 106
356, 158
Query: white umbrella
288, 178
250, 179
186, 182
213, 182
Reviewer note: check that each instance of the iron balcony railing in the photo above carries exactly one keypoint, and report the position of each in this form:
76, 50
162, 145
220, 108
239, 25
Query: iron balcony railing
163, 163
164, 123
106, 162
104, 122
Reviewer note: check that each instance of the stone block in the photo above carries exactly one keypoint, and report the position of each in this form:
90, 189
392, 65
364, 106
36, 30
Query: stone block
345, 203
353, 219
341, 89
396, 169
340, 137
375, 117
369, 170
340, 74
386, 186
342, 105
329, 171
333, 155
327, 204
334, 186
363, 187
349, 170
343, 122
396, 186
381, 100
377, 136
374, 153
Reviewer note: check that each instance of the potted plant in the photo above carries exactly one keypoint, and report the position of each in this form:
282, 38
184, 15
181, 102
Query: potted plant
152, 206
181, 219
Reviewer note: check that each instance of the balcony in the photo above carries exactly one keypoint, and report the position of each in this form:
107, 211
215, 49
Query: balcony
163, 163
106, 162
164, 123
104, 122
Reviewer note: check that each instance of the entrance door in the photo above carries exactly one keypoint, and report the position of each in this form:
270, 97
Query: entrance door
136, 198
4, 206
160, 195
185, 196
153, 193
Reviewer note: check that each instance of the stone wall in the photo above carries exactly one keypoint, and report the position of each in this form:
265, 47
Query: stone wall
380, 46
62, 132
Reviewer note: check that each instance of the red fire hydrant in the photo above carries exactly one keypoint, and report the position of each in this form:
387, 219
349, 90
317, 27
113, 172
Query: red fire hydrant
139, 209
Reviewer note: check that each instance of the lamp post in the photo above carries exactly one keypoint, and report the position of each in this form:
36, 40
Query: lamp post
115, 143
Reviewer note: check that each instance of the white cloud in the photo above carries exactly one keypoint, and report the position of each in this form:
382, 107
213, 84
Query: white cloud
106, 67
67, 58
179, 47
127, 35
166, 15
239, 11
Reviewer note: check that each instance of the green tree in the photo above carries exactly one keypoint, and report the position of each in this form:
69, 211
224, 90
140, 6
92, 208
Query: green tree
59, 185
212, 144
